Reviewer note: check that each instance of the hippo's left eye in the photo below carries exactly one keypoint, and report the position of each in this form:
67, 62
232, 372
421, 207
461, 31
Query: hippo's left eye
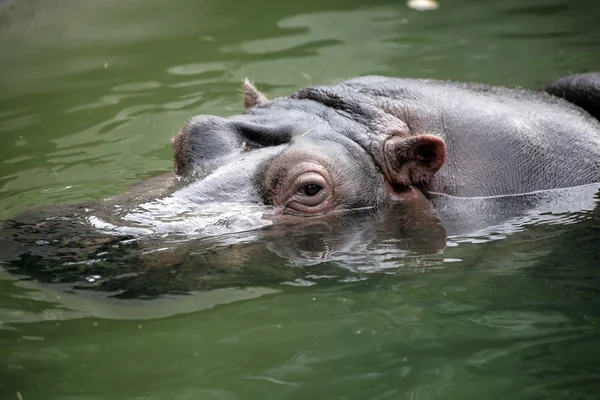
308, 192
299, 187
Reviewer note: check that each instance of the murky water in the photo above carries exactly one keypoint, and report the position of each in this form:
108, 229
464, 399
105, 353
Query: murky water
90, 93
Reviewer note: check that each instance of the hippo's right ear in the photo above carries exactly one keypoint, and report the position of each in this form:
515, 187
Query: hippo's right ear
414, 160
252, 96
583, 90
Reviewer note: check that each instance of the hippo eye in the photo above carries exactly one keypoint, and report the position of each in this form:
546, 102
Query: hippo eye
310, 190
308, 193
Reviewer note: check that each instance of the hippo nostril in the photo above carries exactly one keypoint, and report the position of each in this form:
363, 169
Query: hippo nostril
264, 135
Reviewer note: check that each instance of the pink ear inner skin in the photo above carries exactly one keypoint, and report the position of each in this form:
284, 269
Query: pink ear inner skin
414, 160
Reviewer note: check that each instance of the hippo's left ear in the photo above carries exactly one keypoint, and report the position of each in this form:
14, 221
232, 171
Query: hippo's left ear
252, 96
583, 90
414, 160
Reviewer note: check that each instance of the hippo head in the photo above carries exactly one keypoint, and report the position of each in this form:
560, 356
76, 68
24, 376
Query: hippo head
345, 173
322, 150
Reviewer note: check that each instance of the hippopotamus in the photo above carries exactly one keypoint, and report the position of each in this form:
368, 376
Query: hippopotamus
387, 149
373, 141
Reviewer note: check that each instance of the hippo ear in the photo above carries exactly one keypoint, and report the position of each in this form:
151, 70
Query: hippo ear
413, 161
252, 96
583, 90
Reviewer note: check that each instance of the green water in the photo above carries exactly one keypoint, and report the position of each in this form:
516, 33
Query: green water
90, 93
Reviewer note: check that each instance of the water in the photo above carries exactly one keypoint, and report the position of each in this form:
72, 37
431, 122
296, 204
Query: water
90, 93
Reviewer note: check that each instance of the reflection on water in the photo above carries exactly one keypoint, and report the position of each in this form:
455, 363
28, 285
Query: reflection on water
496, 301
225, 245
